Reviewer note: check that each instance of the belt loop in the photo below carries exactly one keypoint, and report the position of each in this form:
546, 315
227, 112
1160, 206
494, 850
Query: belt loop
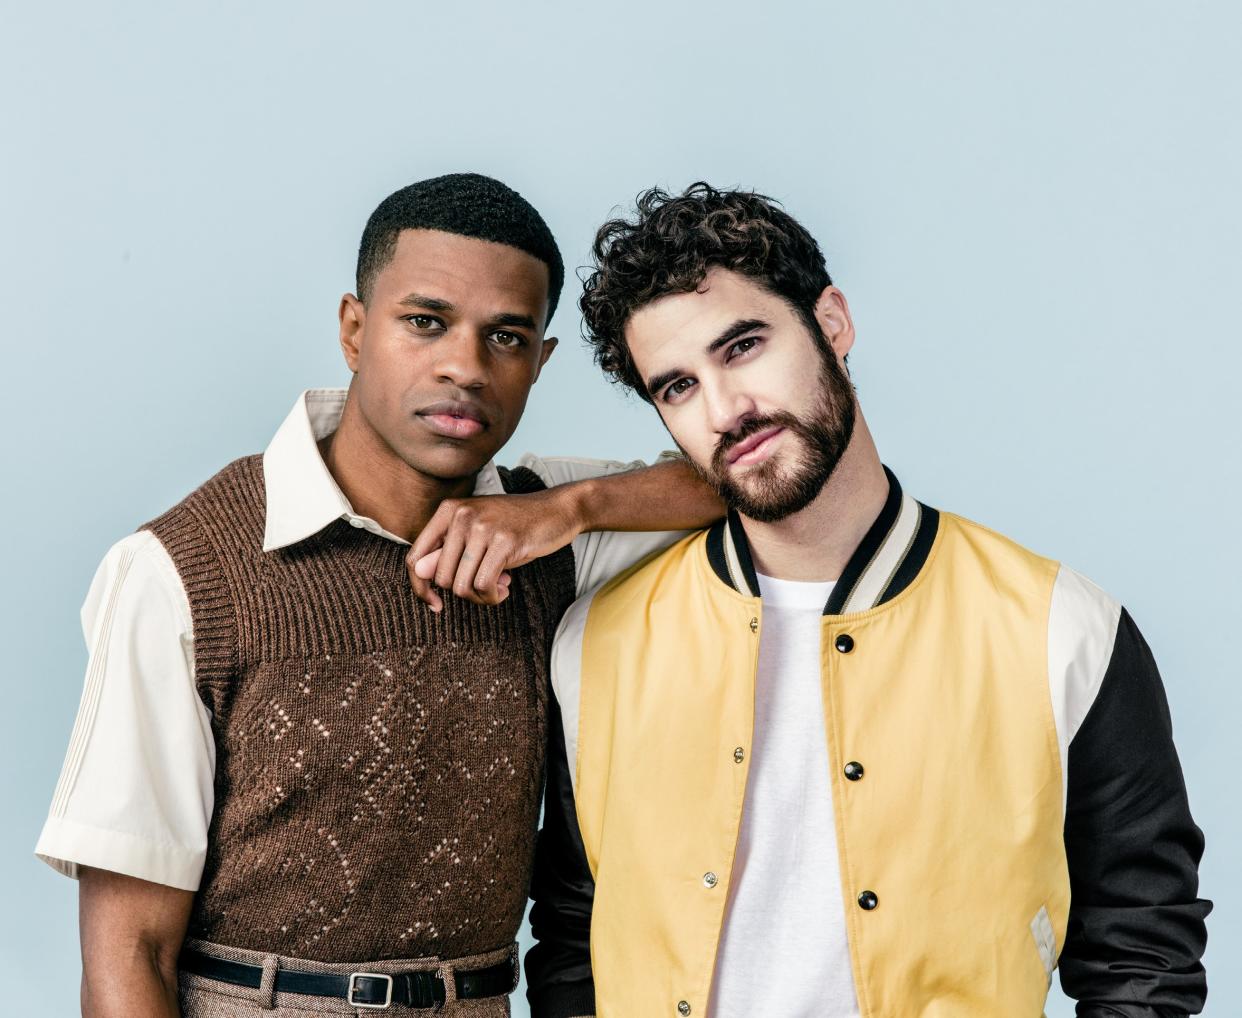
449, 978
266, 993
515, 959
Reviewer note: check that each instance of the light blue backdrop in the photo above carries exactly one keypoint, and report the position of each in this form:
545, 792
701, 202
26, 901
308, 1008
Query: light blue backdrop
1034, 209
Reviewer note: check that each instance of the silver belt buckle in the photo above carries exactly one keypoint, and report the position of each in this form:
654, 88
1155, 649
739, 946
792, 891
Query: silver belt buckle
353, 988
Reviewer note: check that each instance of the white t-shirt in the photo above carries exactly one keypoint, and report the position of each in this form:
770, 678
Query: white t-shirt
783, 950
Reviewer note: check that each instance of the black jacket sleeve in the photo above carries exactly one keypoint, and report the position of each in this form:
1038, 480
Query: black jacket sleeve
559, 983
1136, 924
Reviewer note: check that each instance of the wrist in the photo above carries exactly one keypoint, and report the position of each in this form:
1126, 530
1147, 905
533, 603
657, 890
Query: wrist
580, 503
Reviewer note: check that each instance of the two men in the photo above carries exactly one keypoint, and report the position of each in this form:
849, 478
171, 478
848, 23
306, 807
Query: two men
294, 787
841, 754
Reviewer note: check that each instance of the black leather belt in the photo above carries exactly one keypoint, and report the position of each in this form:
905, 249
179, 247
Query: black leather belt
359, 989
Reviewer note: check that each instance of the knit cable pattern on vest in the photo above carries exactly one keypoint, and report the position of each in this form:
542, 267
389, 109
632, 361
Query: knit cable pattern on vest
378, 765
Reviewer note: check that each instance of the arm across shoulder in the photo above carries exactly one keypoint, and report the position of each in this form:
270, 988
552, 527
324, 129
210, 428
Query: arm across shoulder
599, 555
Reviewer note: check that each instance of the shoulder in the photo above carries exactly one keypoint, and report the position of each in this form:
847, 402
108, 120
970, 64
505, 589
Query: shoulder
554, 470
984, 542
234, 492
137, 563
639, 582
631, 590
1078, 608
135, 580
1081, 618
1083, 623
997, 563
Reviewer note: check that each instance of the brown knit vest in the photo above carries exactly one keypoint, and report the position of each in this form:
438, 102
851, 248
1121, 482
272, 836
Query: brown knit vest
378, 766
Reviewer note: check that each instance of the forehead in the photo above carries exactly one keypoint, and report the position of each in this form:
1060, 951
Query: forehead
475, 275
678, 327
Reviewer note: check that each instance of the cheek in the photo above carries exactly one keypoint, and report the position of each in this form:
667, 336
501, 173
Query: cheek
691, 433
512, 386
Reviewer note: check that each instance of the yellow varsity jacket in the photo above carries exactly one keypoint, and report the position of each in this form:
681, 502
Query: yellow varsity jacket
958, 670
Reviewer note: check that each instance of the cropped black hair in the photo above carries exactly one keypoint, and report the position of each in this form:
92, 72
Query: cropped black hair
469, 205
669, 246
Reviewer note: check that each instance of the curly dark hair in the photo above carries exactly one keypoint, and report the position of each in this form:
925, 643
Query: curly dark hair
669, 247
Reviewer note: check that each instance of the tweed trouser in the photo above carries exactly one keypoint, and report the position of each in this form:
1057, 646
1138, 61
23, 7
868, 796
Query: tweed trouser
209, 998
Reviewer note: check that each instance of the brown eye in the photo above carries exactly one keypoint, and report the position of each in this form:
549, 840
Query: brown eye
742, 346
509, 339
677, 388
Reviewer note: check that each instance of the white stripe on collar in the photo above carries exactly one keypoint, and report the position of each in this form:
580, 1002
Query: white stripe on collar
884, 565
734, 564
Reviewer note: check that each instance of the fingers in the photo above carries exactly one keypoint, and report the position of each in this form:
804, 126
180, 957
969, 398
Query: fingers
421, 572
481, 593
430, 539
450, 558
465, 550
487, 578
425, 567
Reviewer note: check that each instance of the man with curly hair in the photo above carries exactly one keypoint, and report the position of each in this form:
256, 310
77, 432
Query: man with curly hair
840, 754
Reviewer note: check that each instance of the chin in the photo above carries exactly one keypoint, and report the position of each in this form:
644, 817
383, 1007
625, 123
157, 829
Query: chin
448, 463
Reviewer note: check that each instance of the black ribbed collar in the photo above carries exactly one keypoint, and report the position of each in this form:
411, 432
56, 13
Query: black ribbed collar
885, 562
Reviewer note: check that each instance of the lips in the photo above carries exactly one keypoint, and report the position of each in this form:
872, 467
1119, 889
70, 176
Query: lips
453, 418
742, 452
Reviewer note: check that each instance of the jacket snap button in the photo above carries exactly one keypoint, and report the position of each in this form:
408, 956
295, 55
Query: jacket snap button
845, 643
854, 770
710, 879
683, 1008
739, 755
868, 901
754, 625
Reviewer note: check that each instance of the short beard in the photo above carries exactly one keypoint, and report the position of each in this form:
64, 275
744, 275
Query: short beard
773, 490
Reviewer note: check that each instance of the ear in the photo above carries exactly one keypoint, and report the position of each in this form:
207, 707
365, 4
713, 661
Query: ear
833, 314
549, 345
353, 316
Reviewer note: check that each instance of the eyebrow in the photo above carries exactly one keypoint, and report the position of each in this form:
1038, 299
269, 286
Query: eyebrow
417, 300
738, 328
515, 320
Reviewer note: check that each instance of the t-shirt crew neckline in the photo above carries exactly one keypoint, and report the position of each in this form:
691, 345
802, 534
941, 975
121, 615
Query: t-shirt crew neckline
809, 595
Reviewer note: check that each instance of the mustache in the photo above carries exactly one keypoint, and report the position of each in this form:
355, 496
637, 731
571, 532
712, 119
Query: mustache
750, 426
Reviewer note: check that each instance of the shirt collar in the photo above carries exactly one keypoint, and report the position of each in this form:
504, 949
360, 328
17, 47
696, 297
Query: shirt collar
302, 496
885, 562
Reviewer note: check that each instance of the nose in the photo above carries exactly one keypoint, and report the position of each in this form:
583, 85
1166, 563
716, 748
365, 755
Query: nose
460, 360
726, 408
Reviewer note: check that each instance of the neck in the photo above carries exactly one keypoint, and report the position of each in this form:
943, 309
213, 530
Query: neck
378, 483
815, 543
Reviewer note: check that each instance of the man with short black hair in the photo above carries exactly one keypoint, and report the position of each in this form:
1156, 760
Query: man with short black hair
294, 786
841, 754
